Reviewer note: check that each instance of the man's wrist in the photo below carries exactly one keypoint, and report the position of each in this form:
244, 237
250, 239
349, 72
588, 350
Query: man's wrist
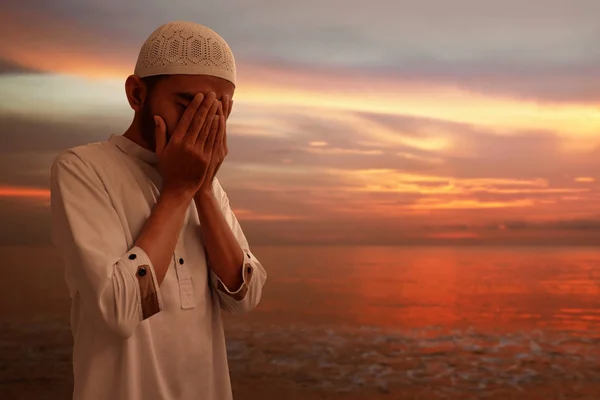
204, 200
204, 194
177, 197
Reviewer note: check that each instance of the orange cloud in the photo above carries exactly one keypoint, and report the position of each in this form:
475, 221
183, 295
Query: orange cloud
392, 181
24, 192
61, 46
454, 235
242, 214
585, 179
337, 150
249, 215
437, 204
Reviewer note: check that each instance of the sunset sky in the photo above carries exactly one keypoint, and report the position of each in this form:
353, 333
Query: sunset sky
379, 122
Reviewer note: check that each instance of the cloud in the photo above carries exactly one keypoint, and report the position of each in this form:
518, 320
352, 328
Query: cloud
8, 67
21, 135
51, 43
542, 50
468, 122
28, 147
472, 152
63, 99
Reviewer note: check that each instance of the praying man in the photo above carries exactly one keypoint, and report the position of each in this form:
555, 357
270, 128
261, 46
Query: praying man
152, 250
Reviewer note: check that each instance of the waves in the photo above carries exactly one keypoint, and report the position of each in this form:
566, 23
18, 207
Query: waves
439, 363
451, 363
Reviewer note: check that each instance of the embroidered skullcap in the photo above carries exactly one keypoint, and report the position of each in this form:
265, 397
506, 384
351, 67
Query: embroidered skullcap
185, 48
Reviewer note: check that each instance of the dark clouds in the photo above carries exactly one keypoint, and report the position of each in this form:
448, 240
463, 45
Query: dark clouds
543, 49
473, 152
22, 135
8, 67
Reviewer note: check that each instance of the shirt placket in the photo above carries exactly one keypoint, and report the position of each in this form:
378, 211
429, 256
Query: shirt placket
184, 277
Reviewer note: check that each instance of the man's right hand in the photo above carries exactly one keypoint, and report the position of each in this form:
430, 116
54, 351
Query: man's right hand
185, 159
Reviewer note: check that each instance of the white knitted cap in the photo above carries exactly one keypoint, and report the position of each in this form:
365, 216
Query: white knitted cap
185, 48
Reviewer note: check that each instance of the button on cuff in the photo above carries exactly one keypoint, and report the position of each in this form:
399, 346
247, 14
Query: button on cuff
139, 265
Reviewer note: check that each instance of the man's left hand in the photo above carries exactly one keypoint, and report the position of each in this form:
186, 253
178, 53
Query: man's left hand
220, 149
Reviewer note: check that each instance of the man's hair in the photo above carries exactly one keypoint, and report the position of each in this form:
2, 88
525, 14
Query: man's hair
151, 81
147, 124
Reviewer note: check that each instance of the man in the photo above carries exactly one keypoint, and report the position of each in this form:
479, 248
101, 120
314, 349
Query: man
151, 248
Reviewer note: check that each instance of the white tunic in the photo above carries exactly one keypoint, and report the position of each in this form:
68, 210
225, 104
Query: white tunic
134, 340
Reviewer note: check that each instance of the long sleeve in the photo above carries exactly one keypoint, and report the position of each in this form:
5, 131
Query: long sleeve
254, 275
116, 283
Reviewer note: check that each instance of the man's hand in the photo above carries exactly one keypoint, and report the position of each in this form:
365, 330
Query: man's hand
222, 248
185, 161
220, 148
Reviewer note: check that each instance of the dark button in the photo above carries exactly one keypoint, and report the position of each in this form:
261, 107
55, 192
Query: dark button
181, 261
132, 256
142, 271
248, 255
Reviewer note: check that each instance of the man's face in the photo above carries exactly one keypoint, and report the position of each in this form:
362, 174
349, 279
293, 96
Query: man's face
170, 96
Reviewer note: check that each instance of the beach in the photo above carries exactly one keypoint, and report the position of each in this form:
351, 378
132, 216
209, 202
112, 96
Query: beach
418, 323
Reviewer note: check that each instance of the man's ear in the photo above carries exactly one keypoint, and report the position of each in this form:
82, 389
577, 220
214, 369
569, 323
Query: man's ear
136, 92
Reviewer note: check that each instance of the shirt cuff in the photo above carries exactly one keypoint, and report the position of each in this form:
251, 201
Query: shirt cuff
247, 273
137, 262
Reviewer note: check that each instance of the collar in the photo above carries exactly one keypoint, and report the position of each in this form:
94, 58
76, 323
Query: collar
133, 149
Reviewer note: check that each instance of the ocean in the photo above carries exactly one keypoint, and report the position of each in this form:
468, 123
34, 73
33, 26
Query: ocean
446, 322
